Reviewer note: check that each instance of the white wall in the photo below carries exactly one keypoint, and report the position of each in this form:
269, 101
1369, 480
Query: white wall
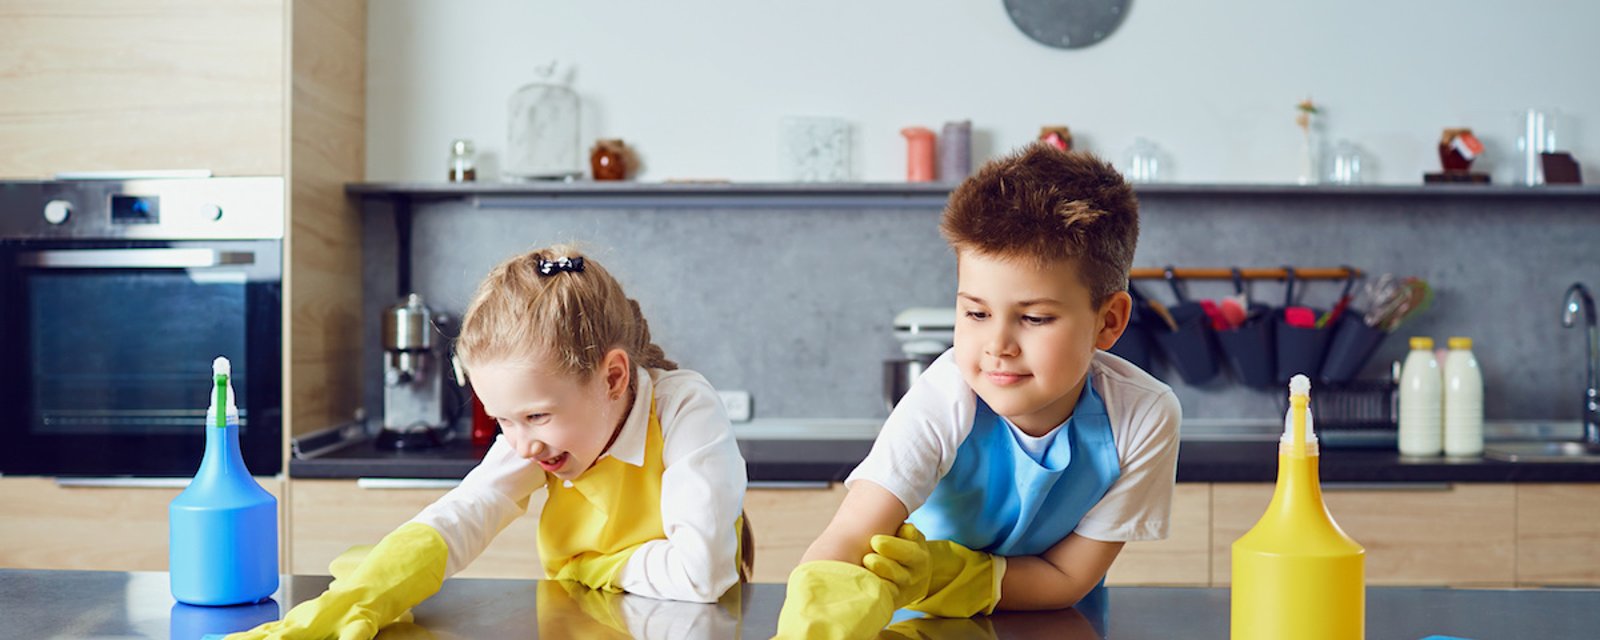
697, 87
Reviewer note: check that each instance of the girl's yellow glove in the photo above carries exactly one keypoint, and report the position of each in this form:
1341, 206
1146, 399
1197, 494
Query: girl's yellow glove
404, 569
830, 599
937, 577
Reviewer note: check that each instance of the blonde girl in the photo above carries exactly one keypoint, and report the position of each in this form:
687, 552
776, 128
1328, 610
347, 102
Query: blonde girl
641, 478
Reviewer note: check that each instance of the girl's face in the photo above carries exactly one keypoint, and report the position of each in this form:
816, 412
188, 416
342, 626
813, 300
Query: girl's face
553, 418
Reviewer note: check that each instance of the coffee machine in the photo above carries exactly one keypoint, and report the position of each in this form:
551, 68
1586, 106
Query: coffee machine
413, 378
924, 333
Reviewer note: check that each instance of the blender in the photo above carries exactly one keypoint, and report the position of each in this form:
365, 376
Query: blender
413, 378
924, 333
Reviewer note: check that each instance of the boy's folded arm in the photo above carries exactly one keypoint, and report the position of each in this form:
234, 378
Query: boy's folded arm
868, 510
1060, 577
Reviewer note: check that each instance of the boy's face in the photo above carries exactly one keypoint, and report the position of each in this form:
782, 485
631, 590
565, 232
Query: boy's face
1025, 334
549, 416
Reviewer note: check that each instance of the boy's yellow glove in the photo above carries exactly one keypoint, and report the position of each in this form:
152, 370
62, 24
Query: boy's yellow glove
948, 580
404, 569
831, 599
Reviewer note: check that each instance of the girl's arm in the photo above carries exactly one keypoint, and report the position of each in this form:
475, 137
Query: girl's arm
491, 497
702, 493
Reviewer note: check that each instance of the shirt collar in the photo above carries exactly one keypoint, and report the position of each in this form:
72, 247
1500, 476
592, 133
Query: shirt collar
629, 446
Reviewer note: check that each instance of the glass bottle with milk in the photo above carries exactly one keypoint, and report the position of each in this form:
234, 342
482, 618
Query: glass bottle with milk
1463, 400
1421, 401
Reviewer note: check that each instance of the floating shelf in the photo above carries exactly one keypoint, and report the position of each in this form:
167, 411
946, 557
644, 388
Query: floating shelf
878, 194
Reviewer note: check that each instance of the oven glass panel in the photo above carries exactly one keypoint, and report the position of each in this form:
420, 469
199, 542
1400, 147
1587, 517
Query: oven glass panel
129, 352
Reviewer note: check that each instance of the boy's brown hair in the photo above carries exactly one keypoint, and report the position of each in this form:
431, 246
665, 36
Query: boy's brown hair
1046, 205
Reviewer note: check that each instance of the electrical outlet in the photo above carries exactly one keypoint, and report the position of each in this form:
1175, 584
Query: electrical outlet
737, 404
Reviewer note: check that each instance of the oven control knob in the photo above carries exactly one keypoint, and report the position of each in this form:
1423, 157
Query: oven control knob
56, 211
212, 212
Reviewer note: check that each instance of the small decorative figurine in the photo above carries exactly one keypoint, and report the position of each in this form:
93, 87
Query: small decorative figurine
1059, 137
1457, 149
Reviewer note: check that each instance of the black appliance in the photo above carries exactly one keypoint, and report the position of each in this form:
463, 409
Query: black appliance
115, 296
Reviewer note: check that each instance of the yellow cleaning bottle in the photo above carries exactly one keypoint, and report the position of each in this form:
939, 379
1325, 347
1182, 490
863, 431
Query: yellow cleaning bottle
1296, 574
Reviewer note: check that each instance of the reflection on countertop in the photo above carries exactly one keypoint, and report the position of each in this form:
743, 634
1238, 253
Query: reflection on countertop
39, 604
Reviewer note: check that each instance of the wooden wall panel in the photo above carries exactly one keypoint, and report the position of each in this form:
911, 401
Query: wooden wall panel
155, 84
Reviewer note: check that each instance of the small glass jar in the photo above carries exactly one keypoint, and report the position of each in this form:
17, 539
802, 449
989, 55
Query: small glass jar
1143, 162
609, 160
463, 161
1346, 165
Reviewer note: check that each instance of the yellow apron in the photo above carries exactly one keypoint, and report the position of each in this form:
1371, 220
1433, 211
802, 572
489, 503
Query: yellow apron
588, 531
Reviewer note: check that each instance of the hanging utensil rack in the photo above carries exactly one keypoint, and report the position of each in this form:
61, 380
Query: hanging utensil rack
1248, 273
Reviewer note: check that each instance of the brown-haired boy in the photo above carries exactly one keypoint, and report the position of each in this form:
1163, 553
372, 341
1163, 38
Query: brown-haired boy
1026, 455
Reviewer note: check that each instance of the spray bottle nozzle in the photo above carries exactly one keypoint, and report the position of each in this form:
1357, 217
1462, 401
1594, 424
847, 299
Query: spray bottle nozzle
1299, 400
223, 404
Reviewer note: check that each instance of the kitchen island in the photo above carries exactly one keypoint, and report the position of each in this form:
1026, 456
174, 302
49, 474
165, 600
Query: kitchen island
94, 604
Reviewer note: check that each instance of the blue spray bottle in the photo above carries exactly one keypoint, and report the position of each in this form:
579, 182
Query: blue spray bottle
223, 542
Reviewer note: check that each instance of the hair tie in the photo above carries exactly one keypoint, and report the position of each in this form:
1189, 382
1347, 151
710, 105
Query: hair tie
560, 265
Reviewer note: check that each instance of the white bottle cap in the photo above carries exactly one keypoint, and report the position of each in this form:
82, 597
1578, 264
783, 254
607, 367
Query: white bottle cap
1299, 385
221, 367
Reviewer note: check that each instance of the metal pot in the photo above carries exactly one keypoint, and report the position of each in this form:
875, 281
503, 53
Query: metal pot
898, 376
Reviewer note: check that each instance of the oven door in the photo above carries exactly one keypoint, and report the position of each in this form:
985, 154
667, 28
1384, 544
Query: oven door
106, 351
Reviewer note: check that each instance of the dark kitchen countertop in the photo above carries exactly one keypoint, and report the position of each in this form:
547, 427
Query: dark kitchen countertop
825, 460
104, 604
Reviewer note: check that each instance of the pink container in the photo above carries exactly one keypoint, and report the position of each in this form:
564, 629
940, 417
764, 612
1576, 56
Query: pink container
919, 154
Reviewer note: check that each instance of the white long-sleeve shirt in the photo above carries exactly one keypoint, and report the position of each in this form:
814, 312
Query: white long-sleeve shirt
702, 493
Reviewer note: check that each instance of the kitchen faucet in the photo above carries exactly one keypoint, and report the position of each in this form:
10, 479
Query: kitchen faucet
1578, 298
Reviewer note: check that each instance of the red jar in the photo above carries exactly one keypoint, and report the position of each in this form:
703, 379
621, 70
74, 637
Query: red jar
609, 160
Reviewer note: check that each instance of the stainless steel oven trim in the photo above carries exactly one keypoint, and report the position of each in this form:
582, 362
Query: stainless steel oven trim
134, 258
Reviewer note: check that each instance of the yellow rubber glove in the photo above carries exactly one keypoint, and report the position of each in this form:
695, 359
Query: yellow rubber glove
905, 565
596, 571
960, 582
830, 599
404, 569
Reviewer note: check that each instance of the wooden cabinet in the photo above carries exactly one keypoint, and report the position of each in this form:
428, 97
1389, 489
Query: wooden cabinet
1457, 535
159, 84
1184, 558
330, 516
1558, 534
246, 87
48, 526
785, 522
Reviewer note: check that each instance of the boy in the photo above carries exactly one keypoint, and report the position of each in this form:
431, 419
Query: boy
1025, 456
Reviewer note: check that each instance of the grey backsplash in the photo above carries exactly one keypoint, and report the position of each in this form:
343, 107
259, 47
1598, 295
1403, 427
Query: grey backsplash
795, 305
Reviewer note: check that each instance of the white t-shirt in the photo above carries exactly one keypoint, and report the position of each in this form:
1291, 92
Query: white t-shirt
702, 493
918, 445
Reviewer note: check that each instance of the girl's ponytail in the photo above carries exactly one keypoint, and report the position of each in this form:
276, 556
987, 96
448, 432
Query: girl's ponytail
648, 353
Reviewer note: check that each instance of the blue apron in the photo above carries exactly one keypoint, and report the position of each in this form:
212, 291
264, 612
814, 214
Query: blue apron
996, 498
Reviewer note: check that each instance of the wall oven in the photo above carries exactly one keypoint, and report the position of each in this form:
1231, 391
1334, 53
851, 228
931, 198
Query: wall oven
115, 296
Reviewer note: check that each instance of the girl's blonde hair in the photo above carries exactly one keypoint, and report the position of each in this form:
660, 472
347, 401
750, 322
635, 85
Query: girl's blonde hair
569, 319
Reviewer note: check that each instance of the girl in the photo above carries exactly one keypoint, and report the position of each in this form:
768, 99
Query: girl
643, 478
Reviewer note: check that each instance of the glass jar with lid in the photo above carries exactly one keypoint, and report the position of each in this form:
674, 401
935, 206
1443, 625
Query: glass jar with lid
542, 131
463, 161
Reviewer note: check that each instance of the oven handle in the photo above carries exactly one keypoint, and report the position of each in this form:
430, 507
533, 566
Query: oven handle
123, 483
134, 258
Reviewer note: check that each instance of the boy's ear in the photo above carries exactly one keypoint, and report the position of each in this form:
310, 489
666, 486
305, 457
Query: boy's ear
618, 370
1113, 316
